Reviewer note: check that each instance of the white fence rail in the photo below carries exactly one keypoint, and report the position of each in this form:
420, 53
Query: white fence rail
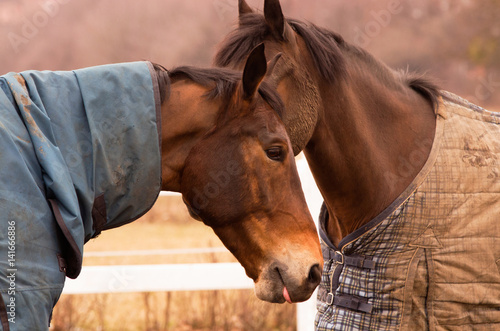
187, 277
159, 278
150, 252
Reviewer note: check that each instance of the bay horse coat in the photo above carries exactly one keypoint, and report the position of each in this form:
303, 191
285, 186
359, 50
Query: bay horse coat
68, 141
431, 260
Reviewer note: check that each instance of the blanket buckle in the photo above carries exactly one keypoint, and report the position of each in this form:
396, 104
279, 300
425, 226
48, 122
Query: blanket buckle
339, 257
329, 299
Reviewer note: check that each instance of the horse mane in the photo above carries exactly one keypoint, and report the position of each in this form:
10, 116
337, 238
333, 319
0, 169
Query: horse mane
423, 86
163, 81
222, 83
325, 48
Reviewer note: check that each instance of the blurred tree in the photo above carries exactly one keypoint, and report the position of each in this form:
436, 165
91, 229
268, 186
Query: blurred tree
457, 41
484, 21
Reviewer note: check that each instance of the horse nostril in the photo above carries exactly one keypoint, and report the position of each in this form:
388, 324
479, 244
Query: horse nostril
314, 276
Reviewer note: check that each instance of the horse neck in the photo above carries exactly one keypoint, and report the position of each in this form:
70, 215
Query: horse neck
371, 140
183, 125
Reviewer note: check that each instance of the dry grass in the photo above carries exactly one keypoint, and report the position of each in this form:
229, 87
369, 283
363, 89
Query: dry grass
166, 226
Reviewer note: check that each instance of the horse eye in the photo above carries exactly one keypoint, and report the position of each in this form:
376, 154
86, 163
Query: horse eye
275, 153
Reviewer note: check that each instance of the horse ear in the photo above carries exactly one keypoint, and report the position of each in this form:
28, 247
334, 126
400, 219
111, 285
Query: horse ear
274, 17
254, 72
244, 8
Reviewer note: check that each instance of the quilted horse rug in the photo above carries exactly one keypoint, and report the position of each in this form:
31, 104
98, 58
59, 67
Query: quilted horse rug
68, 141
431, 260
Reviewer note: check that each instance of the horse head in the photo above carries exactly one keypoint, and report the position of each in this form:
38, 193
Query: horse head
343, 108
240, 179
295, 75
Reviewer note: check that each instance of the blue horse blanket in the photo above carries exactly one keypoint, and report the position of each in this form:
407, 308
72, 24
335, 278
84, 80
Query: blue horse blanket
79, 153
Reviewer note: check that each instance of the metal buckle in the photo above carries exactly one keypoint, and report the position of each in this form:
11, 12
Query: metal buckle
329, 299
341, 257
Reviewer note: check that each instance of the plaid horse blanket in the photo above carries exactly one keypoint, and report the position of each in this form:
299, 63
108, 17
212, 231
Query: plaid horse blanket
79, 153
431, 260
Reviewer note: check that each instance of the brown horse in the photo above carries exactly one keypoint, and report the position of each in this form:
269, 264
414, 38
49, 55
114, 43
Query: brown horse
227, 151
341, 104
83, 151
368, 133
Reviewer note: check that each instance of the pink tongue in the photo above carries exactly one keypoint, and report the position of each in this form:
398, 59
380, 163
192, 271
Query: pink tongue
286, 295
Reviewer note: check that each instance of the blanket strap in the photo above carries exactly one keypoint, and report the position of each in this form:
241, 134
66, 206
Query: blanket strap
352, 302
345, 301
352, 261
341, 300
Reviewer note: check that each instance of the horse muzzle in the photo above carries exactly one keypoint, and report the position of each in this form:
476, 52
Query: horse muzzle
294, 282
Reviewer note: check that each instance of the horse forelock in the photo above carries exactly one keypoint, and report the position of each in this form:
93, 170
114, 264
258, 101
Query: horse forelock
236, 47
323, 45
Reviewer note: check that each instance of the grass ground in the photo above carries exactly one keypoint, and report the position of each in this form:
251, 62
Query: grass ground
166, 226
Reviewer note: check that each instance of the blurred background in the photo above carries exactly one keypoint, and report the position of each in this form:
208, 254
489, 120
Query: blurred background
455, 41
